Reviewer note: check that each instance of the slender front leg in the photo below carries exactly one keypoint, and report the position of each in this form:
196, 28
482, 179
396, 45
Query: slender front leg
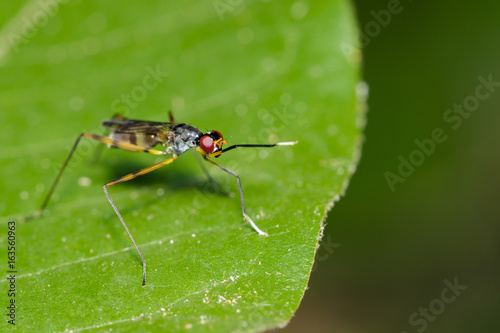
127, 178
249, 220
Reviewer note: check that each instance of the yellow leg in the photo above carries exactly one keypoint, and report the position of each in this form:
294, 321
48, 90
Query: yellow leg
141, 172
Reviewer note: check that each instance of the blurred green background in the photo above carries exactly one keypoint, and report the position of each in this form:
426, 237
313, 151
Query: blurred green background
391, 251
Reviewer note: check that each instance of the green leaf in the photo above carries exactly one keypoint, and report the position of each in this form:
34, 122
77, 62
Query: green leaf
258, 72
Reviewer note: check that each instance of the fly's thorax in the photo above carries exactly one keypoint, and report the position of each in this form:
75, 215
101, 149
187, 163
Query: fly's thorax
184, 137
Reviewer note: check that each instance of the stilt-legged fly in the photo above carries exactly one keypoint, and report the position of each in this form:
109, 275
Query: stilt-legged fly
142, 136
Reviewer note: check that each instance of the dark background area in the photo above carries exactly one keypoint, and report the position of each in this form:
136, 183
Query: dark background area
386, 254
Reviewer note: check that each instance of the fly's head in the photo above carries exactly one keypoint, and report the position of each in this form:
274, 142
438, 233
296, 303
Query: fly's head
211, 143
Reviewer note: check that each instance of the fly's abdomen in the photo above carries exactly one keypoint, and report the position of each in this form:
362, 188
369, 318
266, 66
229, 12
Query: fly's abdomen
143, 140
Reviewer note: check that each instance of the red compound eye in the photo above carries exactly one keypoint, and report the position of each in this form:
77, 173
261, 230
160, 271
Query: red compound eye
207, 144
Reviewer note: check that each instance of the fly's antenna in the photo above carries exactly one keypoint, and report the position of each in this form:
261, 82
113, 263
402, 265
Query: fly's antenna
251, 145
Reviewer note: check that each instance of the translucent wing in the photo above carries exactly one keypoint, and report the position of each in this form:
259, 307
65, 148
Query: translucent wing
130, 126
